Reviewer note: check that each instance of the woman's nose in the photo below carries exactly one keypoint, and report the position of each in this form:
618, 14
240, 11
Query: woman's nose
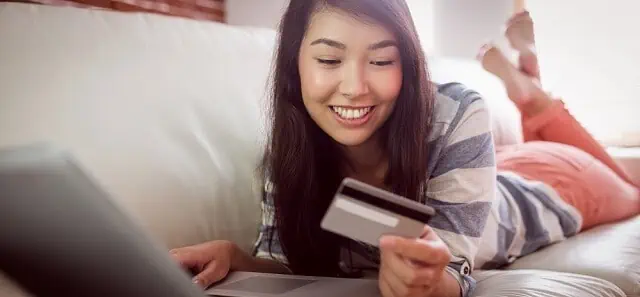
354, 82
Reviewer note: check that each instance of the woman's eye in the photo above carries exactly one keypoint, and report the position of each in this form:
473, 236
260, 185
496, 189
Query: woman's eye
382, 63
329, 61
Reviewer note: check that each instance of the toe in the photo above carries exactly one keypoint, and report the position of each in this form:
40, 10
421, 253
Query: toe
483, 51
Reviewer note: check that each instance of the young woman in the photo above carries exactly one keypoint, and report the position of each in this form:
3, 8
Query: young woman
352, 98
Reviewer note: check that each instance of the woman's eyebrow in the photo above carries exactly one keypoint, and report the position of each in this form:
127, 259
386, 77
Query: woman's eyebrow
382, 44
339, 45
330, 42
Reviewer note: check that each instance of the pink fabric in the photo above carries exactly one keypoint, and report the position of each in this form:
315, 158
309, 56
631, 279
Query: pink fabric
561, 153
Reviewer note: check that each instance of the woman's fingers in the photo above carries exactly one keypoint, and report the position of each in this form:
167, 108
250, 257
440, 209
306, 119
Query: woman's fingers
398, 275
186, 257
401, 270
408, 274
427, 252
429, 234
212, 273
210, 262
412, 267
385, 289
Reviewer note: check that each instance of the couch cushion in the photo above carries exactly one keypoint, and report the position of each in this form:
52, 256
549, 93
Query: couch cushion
165, 112
610, 252
505, 117
535, 283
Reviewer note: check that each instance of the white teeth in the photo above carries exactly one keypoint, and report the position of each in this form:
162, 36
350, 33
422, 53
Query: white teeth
351, 113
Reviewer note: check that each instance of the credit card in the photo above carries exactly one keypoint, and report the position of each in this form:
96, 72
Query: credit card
365, 213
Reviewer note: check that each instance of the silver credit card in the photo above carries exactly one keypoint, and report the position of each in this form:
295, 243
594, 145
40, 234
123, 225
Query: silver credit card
365, 213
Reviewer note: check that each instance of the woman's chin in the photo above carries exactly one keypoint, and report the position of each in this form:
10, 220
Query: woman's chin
351, 139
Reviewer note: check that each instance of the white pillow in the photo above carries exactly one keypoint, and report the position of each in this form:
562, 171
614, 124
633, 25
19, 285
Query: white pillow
505, 117
165, 112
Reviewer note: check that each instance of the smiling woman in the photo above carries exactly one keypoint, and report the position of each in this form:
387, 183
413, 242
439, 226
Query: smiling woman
349, 85
351, 97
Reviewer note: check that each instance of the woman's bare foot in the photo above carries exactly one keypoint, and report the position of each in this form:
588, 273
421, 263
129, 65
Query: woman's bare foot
525, 91
521, 36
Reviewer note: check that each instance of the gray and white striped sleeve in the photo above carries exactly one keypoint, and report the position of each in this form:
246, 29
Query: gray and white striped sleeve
268, 245
463, 181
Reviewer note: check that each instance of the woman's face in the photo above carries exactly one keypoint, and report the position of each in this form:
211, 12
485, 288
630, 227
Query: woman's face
350, 74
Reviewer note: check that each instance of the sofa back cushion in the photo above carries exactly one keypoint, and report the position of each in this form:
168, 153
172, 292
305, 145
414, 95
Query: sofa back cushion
165, 112
505, 117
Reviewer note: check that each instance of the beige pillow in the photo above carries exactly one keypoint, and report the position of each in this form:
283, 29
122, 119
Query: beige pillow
505, 117
165, 112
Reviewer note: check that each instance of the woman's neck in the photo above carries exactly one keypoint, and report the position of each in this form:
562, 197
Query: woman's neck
367, 162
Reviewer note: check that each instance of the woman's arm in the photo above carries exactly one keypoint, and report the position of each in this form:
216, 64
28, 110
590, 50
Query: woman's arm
462, 187
268, 255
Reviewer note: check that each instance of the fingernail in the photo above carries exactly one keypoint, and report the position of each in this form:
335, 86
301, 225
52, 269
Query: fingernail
387, 241
195, 280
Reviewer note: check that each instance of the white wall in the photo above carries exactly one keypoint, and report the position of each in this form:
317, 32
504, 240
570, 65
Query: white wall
589, 53
267, 13
258, 13
422, 13
446, 27
462, 26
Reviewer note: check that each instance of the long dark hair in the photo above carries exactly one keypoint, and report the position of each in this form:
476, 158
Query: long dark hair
304, 163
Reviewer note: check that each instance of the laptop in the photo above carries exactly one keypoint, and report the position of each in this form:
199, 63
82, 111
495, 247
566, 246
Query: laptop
60, 235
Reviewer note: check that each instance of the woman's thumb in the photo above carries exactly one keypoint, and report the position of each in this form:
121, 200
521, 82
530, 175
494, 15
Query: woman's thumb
186, 257
212, 273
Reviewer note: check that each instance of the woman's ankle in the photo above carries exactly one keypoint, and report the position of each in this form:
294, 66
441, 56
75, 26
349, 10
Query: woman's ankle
536, 106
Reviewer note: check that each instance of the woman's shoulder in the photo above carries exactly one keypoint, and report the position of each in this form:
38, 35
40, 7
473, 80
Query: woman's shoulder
453, 101
455, 90
460, 120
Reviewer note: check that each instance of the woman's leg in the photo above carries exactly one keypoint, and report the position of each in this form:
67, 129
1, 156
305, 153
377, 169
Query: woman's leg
527, 133
566, 158
521, 37
556, 124
543, 117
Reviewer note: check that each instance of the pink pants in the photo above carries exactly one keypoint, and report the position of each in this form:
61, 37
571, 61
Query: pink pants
561, 153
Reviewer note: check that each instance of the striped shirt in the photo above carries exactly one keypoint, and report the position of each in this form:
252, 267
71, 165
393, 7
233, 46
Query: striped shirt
485, 221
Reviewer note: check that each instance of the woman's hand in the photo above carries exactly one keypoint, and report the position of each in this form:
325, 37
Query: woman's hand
414, 267
209, 262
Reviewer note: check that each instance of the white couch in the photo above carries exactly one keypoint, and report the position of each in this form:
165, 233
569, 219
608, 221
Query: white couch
167, 114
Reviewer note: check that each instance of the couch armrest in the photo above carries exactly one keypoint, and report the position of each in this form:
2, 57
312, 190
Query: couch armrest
629, 160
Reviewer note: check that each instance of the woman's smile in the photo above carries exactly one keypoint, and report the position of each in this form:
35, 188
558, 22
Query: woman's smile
351, 116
